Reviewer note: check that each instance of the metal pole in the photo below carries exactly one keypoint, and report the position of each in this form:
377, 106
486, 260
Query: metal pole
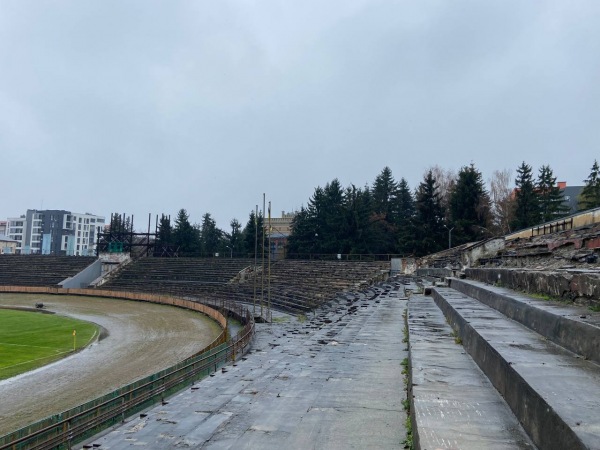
449, 236
269, 275
262, 272
255, 259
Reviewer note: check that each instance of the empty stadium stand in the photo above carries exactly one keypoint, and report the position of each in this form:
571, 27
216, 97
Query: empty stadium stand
540, 356
40, 270
294, 286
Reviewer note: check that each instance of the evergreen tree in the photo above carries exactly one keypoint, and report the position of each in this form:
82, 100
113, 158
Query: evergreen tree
185, 236
384, 193
316, 221
590, 195
332, 219
120, 224
254, 228
550, 197
210, 236
236, 238
164, 234
527, 212
469, 206
430, 234
357, 206
405, 218
302, 236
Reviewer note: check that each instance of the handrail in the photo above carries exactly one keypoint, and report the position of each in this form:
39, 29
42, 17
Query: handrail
85, 420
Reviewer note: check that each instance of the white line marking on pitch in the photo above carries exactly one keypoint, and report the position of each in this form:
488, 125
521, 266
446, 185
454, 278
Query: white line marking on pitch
37, 359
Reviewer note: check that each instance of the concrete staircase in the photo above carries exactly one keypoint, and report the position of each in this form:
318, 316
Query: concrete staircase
527, 373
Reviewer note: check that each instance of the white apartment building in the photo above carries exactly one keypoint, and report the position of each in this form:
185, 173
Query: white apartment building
55, 232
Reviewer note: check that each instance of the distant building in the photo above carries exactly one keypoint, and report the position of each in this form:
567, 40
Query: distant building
281, 228
8, 246
3, 227
55, 232
571, 195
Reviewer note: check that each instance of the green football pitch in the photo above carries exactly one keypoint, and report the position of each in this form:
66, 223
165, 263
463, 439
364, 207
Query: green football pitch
29, 340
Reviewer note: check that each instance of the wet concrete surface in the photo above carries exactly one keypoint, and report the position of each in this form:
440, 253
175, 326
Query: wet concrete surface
554, 393
143, 338
575, 328
332, 381
454, 404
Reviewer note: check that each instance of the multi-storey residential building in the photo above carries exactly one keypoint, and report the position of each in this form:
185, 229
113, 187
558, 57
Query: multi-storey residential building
55, 232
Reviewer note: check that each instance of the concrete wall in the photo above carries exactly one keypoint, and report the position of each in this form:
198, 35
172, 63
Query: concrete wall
83, 278
486, 249
578, 286
435, 272
405, 266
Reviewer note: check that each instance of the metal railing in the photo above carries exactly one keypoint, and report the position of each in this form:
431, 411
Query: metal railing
69, 427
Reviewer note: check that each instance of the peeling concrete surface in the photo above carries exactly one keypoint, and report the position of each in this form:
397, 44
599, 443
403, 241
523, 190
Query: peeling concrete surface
454, 404
334, 381
554, 394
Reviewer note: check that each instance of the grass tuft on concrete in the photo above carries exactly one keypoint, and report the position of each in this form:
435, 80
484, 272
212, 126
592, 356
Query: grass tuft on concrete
29, 340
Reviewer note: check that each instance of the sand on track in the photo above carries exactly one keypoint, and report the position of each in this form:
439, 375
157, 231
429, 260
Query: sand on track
143, 338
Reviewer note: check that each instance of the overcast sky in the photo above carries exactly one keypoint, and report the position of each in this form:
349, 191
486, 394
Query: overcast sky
148, 107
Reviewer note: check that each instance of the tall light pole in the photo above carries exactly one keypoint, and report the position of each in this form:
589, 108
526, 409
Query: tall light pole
449, 236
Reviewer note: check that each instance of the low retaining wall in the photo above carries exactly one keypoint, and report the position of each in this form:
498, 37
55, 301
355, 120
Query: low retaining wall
135, 296
579, 287
435, 272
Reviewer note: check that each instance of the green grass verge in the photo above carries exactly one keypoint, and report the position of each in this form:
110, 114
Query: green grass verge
29, 340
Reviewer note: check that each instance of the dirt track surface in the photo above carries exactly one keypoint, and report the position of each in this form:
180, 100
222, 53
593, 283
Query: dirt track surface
143, 338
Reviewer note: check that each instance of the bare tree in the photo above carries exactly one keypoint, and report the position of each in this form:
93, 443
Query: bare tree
445, 180
503, 202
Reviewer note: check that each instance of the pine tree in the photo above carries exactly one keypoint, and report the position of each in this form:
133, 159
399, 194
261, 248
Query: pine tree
550, 197
210, 236
164, 235
527, 212
332, 224
357, 207
236, 241
469, 206
430, 235
385, 192
302, 237
185, 236
254, 228
590, 195
405, 218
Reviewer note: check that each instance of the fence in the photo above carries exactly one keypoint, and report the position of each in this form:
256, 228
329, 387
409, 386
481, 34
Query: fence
72, 426
574, 221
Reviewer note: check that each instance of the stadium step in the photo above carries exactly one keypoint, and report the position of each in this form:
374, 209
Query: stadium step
554, 393
453, 404
572, 327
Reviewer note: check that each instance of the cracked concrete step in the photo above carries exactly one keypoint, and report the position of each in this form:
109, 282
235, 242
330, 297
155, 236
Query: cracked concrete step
554, 394
453, 404
575, 328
